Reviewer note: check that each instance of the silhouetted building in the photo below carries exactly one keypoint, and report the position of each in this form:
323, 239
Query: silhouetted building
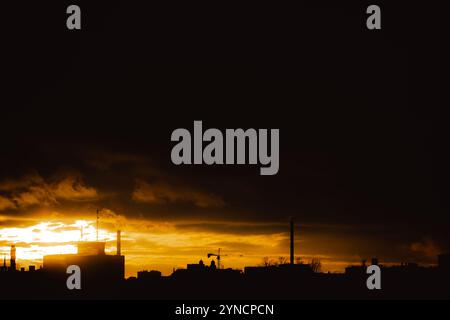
196, 266
96, 266
356, 271
194, 270
148, 275
361, 269
292, 270
87, 248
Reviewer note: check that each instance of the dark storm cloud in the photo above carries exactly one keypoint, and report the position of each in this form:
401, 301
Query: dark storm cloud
234, 228
104, 160
166, 193
34, 190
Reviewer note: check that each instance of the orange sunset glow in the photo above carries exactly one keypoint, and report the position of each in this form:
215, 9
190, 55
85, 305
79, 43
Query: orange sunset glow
151, 245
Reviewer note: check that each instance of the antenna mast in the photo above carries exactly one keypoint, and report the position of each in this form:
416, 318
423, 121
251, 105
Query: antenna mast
97, 225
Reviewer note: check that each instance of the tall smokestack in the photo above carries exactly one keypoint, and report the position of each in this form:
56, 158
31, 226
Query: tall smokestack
292, 240
12, 265
119, 243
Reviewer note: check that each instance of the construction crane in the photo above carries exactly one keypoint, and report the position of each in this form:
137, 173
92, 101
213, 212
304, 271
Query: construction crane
218, 255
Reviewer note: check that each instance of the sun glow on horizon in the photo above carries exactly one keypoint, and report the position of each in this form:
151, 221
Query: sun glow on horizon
154, 245
46, 238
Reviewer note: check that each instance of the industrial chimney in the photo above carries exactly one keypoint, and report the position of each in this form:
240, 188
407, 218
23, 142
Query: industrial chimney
292, 240
12, 265
119, 243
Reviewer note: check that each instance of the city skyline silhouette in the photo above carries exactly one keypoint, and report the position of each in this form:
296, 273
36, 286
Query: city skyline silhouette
103, 276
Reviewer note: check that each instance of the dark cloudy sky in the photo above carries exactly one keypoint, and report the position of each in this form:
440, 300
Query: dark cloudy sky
90, 114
